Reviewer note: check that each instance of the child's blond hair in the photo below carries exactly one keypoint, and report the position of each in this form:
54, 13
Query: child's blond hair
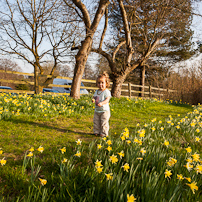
106, 75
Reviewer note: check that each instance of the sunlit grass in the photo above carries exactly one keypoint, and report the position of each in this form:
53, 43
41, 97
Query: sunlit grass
146, 155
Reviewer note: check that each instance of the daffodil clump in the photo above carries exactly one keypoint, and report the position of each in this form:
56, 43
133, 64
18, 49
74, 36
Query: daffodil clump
41, 105
154, 161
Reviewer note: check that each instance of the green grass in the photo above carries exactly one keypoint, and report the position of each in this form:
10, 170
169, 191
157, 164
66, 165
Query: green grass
56, 122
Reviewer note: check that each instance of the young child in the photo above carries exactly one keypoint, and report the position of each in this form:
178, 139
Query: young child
102, 111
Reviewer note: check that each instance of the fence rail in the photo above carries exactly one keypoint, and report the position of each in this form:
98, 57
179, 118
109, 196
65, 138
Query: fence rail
128, 89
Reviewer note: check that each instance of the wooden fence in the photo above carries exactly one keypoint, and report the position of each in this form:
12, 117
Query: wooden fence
128, 89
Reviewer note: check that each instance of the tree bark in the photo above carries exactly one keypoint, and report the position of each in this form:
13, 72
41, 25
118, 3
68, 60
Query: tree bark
81, 59
117, 85
36, 79
84, 50
142, 81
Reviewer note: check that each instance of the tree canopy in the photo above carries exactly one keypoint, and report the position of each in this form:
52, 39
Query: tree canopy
145, 30
139, 32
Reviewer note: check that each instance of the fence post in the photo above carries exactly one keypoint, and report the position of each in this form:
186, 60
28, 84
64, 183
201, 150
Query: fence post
150, 91
159, 93
168, 93
129, 90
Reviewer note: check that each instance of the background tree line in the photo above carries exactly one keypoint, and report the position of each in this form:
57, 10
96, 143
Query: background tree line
134, 40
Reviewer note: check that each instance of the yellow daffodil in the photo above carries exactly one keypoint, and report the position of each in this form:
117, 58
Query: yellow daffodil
113, 159
130, 198
178, 127
40, 149
78, 154
167, 173
197, 139
193, 186
126, 167
160, 122
109, 142
43, 181
3, 161
1, 151
188, 179
109, 176
142, 133
78, 142
189, 160
153, 129
126, 133
188, 149
192, 124
199, 168
109, 148
64, 160
104, 138
180, 177
30, 154
123, 138
99, 169
63, 150
136, 140
128, 141
126, 130
139, 158
31, 149
171, 162
99, 146
166, 143
161, 128
143, 151
198, 130
98, 164
196, 157
189, 166
121, 154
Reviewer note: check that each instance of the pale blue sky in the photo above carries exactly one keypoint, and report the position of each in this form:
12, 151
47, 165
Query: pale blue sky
196, 26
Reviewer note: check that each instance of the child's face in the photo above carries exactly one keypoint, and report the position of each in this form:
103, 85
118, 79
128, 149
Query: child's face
102, 84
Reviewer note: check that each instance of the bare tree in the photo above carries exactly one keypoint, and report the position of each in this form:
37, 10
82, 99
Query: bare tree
36, 31
8, 65
141, 29
91, 24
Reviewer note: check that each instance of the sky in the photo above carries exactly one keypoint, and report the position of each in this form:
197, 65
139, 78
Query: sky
196, 26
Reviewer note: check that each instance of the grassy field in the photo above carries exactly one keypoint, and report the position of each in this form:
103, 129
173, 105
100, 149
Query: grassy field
151, 136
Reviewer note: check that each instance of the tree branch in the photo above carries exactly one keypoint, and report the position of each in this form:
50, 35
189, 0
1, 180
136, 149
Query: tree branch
105, 28
84, 11
108, 57
117, 49
127, 33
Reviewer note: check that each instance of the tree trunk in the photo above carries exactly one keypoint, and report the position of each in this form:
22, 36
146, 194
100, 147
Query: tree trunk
36, 81
81, 60
117, 85
142, 81
86, 45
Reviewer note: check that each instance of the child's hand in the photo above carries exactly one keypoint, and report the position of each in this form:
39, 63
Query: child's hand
93, 100
100, 104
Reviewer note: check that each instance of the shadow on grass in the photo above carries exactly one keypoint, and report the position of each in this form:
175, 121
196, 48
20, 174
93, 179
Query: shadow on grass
46, 126
181, 105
